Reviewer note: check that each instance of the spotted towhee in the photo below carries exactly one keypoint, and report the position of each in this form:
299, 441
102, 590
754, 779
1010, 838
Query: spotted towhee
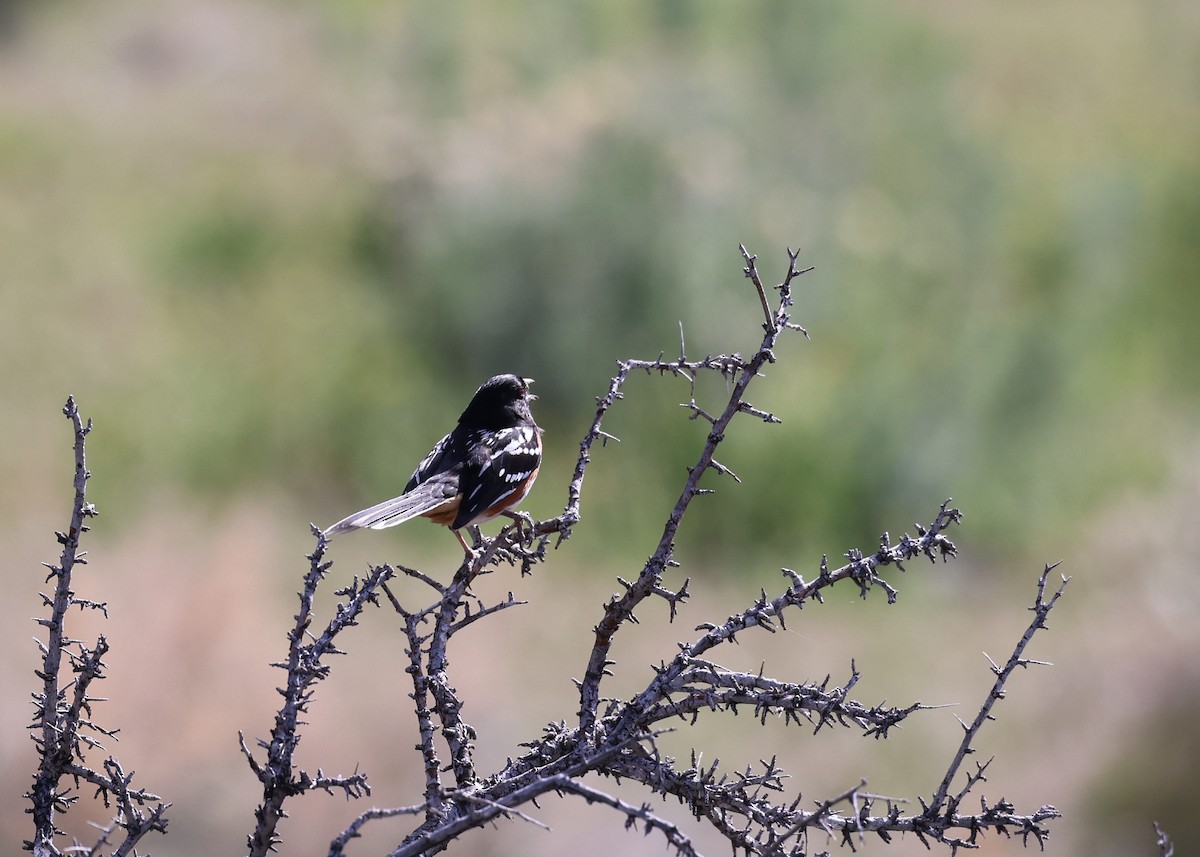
478, 471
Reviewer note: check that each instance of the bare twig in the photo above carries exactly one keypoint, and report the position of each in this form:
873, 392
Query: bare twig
304, 667
1041, 609
742, 372
63, 727
633, 814
1165, 847
338, 846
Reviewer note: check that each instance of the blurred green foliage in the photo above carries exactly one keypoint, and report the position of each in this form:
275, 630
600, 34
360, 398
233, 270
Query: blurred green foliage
287, 241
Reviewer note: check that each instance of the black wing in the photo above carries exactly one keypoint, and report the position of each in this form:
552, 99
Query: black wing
501, 463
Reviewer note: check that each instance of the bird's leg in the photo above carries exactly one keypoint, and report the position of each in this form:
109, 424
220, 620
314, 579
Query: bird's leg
463, 542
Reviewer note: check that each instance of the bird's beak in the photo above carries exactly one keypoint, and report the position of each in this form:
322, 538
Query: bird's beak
529, 395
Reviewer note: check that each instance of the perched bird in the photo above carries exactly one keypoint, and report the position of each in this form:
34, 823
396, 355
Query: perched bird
478, 471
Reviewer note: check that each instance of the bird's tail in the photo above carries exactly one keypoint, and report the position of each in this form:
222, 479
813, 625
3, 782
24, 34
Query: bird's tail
424, 498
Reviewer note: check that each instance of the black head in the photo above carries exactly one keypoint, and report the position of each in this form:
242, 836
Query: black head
502, 402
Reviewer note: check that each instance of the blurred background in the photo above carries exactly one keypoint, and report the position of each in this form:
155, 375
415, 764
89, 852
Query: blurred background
273, 247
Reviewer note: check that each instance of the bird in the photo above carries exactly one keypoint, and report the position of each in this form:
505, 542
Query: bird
481, 469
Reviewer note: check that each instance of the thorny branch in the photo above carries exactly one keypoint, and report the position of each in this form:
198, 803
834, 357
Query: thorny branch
1041, 609
742, 373
618, 738
63, 728
633, 814
305, 667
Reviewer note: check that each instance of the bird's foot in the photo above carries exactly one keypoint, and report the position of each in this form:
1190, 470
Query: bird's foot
523, 522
